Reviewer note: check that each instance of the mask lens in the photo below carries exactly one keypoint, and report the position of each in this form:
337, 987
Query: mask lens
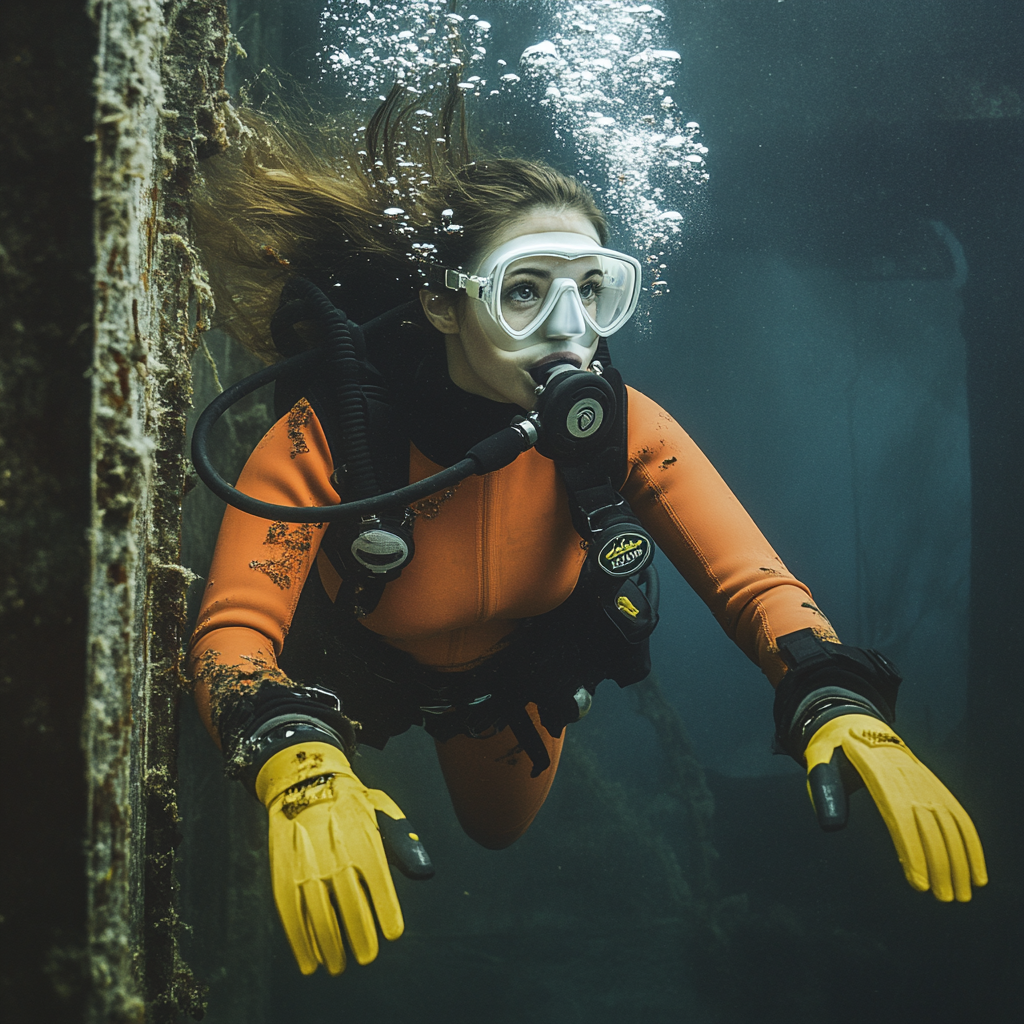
605, 285
524, 287
618, 282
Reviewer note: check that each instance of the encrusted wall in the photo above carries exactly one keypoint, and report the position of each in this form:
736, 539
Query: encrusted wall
159, 106
107, 106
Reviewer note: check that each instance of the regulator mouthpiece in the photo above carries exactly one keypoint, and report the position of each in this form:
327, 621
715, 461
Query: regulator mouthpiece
542, 374
575, 411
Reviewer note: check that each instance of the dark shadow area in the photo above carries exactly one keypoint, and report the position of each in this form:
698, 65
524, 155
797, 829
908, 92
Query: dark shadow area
46, 255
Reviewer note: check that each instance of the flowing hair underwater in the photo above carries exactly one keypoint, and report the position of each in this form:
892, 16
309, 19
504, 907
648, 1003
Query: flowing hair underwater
370, 214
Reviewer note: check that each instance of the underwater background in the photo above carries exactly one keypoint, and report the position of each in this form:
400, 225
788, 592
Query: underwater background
838, 326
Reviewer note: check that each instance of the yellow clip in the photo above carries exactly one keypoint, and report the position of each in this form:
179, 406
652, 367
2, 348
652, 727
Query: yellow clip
627, 607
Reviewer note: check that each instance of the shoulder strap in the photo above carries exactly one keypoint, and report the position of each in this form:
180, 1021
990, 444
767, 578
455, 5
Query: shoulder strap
386, 438
388, 435
608, 467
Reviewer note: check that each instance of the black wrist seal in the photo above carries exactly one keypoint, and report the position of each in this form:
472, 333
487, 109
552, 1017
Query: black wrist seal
826, 680
274, 717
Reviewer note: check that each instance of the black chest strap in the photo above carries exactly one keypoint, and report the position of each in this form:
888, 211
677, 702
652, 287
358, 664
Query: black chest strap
621, 551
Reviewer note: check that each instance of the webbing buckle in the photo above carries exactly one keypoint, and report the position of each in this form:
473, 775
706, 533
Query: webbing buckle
592, 515
473, 286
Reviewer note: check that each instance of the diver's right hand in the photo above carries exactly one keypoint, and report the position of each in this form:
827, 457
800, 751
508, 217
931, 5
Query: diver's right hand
324, 841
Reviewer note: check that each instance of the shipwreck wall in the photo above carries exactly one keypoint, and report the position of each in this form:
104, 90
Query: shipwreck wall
107, 106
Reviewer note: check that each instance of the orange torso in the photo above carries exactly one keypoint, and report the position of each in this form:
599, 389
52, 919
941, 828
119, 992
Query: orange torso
492, 551
500, 549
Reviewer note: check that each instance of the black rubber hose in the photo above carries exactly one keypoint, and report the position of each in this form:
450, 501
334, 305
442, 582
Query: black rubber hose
649, 575
493, 455
343, 368
282, 326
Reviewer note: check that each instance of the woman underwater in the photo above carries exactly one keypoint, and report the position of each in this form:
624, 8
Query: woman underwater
489, 610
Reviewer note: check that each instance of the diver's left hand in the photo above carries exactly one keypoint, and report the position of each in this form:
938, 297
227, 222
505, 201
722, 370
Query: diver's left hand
935, 840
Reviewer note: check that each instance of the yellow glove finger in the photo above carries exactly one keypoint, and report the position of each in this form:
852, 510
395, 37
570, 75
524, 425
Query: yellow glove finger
972, 844
903, 829
321, 923
356, 915
288, 898
936, 855
378, 880
959, 857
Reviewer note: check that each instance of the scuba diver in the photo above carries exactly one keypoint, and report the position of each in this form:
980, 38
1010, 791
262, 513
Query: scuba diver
452, 522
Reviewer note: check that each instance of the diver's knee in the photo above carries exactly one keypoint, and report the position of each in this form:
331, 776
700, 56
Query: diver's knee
491, 839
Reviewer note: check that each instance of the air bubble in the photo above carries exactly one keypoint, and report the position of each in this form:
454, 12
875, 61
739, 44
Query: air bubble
602, 68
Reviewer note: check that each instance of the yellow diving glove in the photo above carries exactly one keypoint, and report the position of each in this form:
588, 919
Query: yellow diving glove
833, 710
327, 840
935, 840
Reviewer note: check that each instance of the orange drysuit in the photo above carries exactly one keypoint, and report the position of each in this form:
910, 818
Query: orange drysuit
490, 552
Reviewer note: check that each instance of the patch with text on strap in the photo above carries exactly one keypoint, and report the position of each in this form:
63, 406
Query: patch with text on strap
625, 553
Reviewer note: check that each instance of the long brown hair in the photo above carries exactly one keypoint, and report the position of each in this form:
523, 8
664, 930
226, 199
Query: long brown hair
368, 213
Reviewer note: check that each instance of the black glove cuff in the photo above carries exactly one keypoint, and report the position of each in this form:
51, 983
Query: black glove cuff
275, 717
826, 680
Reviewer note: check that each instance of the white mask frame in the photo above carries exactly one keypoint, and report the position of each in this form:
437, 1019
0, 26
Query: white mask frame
621, 278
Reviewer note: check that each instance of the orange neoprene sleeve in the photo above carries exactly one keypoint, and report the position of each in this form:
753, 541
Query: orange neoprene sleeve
698, 522
259, 567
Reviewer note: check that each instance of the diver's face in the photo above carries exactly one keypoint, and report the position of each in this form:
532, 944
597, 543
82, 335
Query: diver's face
483, 359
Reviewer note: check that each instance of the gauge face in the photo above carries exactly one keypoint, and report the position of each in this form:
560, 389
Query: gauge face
379, 550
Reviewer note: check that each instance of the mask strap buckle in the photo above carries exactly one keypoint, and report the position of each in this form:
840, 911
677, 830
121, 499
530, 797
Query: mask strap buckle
472, 285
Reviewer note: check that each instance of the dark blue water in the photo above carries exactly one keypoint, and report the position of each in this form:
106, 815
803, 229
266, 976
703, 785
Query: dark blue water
842, 338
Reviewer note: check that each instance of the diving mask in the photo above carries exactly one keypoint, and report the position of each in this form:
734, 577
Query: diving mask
553, 286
